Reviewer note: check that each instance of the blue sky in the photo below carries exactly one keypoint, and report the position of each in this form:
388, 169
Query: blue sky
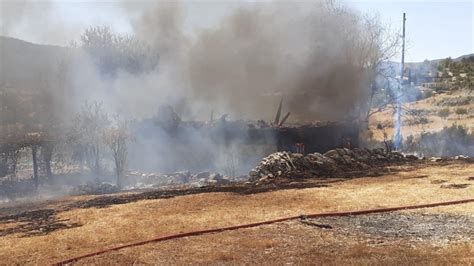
435, 29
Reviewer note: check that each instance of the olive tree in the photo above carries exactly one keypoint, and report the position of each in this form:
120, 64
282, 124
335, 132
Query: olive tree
87, 135
116, 138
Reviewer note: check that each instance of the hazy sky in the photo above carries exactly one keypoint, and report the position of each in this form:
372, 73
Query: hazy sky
435, 29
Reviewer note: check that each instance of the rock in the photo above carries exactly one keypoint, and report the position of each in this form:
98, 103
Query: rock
253, 173
411, 157
212, 182
202, 175
396, 155
347, 159
95, 189
436, 159
331, 153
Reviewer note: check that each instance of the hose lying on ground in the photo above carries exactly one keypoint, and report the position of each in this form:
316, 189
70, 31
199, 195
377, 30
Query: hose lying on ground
221, 229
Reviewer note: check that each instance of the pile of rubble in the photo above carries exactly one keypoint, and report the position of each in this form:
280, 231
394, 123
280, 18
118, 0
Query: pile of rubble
332, 163
136, 179
94, 189
209, 179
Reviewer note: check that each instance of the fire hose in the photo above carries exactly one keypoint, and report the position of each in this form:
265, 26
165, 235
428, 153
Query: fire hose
241, 226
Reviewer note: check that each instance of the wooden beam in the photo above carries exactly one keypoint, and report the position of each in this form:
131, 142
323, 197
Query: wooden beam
278, 114
284, 119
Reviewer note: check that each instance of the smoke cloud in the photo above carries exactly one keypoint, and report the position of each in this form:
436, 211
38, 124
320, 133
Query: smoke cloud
258, 54
308, 53
313, 55
36, 21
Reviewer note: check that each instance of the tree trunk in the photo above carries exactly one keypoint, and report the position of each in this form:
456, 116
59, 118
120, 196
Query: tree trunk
119, 172
119, 179
35, 166
97, 164
47, 152
3, 166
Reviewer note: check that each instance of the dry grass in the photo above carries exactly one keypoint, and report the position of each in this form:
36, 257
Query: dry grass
290, 242
120, 224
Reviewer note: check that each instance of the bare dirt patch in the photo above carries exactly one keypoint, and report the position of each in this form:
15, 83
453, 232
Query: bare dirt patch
438, 229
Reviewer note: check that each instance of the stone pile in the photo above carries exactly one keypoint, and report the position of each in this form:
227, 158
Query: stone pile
209, 179
332, 163
95, 189
148, 180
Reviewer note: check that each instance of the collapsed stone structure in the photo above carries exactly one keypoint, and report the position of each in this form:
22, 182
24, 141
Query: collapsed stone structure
330, 164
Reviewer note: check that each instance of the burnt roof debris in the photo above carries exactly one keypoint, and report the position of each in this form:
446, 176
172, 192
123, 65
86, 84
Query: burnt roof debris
278, 114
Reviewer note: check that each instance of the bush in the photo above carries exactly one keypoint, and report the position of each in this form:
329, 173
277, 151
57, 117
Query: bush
427, 94
418, 120
444, 113
450, 141
461, 111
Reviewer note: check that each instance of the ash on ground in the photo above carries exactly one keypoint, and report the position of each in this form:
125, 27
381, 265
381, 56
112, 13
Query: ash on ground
439, 229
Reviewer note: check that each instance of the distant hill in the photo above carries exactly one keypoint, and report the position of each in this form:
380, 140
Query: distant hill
433, 62
26, 65
461, 57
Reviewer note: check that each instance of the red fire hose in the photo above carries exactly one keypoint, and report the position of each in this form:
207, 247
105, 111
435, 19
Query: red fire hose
216, 230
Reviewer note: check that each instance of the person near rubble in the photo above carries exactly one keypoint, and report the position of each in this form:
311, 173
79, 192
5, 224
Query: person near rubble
300, 147
346, 143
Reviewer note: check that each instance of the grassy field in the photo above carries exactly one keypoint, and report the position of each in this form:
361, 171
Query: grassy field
290, 242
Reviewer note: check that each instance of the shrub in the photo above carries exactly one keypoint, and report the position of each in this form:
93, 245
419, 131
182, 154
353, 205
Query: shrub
427, 94
417, 121
450, 141
461, 111
444, 113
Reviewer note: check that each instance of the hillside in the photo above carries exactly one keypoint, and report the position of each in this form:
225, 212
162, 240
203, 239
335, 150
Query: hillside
396, 64
25, 65
428, 118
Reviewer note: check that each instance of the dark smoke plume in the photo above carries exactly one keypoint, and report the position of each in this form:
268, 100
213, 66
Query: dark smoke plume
261, 52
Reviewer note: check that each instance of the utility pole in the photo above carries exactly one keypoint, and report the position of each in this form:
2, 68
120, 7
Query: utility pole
403, 47
398, 122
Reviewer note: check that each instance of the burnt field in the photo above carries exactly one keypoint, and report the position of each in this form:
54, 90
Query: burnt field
235, 132
435, 235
